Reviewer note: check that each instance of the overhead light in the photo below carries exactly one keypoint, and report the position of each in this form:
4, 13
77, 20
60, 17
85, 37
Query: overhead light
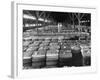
47, 20
40, 19
28, 17
26, 25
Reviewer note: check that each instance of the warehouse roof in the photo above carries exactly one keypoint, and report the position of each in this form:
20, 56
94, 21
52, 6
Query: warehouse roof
55, 16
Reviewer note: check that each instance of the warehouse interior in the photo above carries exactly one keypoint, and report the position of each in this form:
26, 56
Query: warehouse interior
56, 39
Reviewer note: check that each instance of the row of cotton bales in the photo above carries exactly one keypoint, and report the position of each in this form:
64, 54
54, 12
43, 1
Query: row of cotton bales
39, 53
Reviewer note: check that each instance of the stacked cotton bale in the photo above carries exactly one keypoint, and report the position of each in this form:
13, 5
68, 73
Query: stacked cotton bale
43, 48
65, 58
54, 46
65, 55
54, 39
77, 57
27, 52
26, 34
34, 46
25, 45
60, 40
47, 40
38, 59
45, 43
52, 55
37, 43
27, 58
52, 58
86, 52
65, 46
39, 56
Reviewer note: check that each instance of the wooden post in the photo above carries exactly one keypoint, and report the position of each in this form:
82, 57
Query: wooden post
71, 15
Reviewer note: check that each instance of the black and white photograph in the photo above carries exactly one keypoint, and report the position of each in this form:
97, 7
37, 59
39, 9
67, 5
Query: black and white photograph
50, 40
55, 39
